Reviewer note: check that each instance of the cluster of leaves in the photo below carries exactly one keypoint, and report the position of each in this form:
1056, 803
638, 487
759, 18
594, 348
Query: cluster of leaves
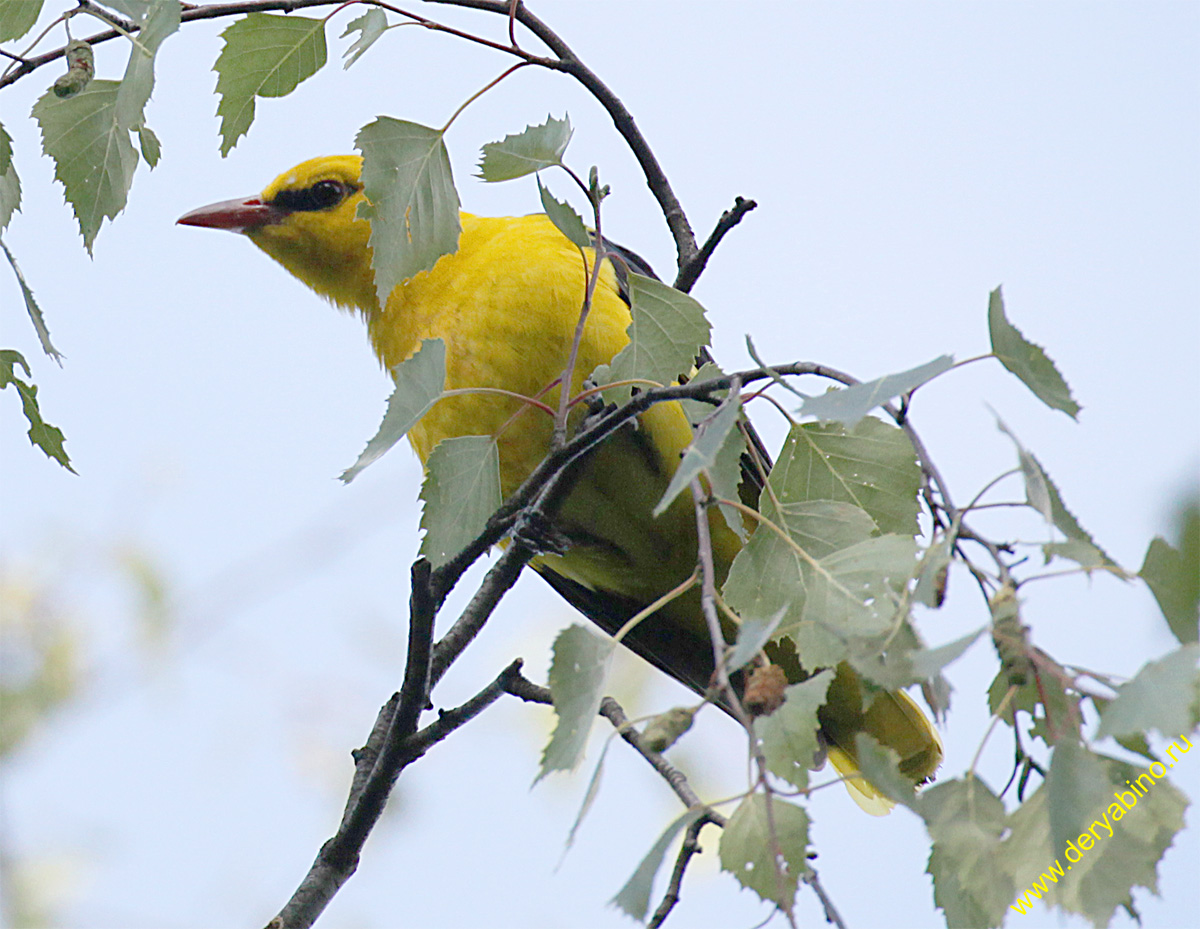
837, 563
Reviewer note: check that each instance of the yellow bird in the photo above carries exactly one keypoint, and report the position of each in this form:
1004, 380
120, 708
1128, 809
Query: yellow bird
507, 303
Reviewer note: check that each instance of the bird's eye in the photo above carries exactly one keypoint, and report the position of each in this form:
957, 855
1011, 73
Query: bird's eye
320, 196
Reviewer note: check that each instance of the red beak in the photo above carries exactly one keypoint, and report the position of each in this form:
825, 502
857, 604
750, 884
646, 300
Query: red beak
241, 215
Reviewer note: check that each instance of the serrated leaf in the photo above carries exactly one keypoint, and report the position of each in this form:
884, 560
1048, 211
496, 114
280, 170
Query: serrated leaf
162, 19
32, 308
753, 633
789, 737
370, 26
41, 434
578, 671
412, 204
966, 822
634, 898
564, 217
667, 331
769, 578
461, 491
1066, 523
701, 453
589, 798
872, 466
525, 152
836, 587
264, 56
1042, 494
10, 184
1027, 361
93, 156
1037, 495
880, 765
1163, 695
5, 150
1076, 788
419, 381
17, 18
848, 405
149, 144
901, 667
1082, 553
767, 852
1173, 576
1119, 848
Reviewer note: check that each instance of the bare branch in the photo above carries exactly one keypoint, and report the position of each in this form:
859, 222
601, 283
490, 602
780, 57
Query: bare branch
690, 272
691, 845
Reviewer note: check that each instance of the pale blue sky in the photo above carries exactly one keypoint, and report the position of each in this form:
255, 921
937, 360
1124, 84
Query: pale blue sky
907, 158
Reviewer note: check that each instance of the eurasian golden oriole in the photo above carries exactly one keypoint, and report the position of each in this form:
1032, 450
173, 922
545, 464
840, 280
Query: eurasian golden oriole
507, 303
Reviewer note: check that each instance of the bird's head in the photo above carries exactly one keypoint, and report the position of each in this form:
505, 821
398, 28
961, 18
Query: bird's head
307, 220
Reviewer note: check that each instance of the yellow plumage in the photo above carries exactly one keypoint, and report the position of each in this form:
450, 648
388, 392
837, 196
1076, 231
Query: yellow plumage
507, 303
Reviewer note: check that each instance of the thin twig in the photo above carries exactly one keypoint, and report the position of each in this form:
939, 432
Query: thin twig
690, 272
832, 916
690, 846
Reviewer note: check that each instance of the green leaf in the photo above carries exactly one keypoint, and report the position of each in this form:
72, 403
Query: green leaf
701, 453
31, 307
5, 148
872, 466
564, 217
370, 26
136, 10
634, 898
461, 491
767, 850
46, 437
162, 19
667, 331
848, 405
880, 765
264, 56
149, 144
1117, 848
753, 633
1076, 789
901, 667
1163, 695
535, 148
412, 204
789, 735
1042, 494
578, 672
966, 822
419, 381
589, 798
17, 18
1173, 576
93, 156
931, 582
1027, 361
768, 580
1037, 494
10, 184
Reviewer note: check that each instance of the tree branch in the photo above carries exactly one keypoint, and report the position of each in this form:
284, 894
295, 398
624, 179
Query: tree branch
690, 272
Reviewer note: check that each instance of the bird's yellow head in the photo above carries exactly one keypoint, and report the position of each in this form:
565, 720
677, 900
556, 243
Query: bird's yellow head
307, 220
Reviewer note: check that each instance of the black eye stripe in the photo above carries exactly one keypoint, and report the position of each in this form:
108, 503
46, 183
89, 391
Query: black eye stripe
322, 195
